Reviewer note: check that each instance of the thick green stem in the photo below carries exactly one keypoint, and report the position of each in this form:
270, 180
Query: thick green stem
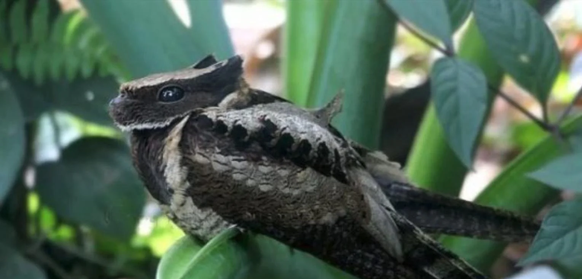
305, 20
354, 57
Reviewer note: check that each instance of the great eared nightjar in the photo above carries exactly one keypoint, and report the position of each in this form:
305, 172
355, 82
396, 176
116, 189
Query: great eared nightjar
216, 153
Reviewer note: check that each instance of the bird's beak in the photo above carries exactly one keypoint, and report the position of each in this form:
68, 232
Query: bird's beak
116, 101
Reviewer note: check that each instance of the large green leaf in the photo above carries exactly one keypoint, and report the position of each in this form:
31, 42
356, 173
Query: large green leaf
459, 92
152, 38
94, 183
243, 257
458, 12
176, 261
17, 22
354, 56
564, 173
521, 43
14, 266
86, 98
7, 233
12, 137
431, 155
513, 190
186, 259
40, 21
560, 236
305, 20
430, 16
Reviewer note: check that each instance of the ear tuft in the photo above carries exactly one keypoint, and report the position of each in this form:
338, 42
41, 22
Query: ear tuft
205, 62
331, 109
235, 61
229, 70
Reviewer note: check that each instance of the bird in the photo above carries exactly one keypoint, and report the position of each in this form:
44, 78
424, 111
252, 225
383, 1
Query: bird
216, 153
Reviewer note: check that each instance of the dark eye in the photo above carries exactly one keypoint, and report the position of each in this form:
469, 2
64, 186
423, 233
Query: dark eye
171, 93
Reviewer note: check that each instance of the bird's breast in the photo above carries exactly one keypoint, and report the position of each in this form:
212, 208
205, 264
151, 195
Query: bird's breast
202, 222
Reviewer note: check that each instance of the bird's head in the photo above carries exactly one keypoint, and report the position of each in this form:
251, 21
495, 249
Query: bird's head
156, 100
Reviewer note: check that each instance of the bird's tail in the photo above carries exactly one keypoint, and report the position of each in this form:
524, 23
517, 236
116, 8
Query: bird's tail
439, 214
426, 254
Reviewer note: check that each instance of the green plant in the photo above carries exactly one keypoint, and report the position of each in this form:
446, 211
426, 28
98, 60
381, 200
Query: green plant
455, 79
77, 217
58, 71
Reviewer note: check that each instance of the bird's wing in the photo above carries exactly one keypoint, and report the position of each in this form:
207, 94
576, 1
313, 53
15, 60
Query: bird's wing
310, 178
441, 214
285, 131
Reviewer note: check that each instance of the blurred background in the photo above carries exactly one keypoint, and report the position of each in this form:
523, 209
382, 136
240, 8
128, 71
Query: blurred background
71, 205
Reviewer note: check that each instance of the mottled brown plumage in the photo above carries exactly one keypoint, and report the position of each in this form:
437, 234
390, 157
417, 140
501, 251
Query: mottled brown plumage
440, 214
216, 153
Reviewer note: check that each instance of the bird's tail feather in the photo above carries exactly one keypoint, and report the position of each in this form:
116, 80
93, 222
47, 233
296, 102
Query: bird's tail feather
441, 214
428, 255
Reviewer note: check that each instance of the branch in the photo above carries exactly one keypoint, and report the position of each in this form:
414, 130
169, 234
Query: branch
50, 263
544, 125
425, 39
528, 114
569, 108
96, 259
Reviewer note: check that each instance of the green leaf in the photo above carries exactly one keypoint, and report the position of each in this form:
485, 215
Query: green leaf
39, 22
86, 98
563, 173
570, 267
575, 141
15, 266
431, 155
12, 137
429, 16
513, 190
458, 12
24, 59
59, 27
17, 22
4, 33
94, 184
6, 56
305, 19
243, 257
524, 135
560, 236
354, 56
7, 234
520, 42
55, 67
162, 41
72, 63
175, 262
41, 60
32, 99
75, 25
459, 92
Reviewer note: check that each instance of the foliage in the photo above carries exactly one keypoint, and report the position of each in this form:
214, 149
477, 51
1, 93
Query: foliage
460, 95
78, 215
69, 197
347, 61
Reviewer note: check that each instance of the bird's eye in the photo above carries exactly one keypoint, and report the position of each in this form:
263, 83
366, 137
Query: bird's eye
171, 93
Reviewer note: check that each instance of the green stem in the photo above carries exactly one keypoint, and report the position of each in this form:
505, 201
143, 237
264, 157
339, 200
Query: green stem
305, 19
353, 56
